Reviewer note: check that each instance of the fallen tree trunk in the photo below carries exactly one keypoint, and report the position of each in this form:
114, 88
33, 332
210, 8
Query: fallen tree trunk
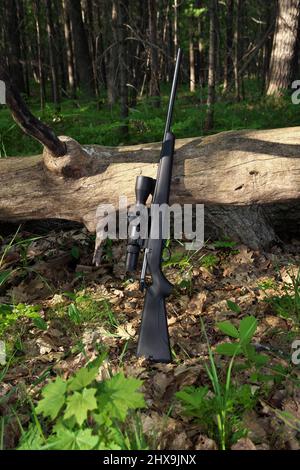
249, 182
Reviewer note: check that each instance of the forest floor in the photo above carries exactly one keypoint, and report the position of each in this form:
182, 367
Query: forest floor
58, 312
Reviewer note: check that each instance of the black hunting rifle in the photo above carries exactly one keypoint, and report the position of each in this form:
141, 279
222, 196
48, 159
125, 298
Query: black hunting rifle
154, 340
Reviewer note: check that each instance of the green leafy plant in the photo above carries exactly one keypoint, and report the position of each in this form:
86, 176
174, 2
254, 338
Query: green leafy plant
267, 284
209, 261
82, 413
11, 314
225, 244
85, 309
182, 261
220, 408
288, 304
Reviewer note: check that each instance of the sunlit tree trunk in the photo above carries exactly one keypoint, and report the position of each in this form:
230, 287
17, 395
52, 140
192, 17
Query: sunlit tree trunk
192, 58
284, 43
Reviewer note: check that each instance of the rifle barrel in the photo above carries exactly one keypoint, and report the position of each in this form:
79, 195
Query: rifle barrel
173, 93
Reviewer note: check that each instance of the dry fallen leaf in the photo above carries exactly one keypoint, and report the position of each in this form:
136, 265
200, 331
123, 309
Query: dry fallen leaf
243, 444
204, 443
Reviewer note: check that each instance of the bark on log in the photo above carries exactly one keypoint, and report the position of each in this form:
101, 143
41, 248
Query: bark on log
249, 182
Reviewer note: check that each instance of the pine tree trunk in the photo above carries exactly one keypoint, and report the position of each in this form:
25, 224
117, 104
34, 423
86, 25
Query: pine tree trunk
69, 52
283, 50
228, 62
176, 7
122, 11
13, 44
154, 89
23, 44
111, 56
209, 122
42, 87
83, 59
201, 54
52, 56
238, 50
269, 15
59, 46
89, 20
192, 58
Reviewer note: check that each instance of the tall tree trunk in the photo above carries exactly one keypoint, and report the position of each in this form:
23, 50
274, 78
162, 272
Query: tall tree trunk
111, 57
296, 60
269, 15
209, 122
23, 44
52, 56
122, 13
238, 50
165, 39
176, 6
83, 59
69, 51
154, 90
100, 59
37, 18
201, 54
284, 43
228, 63
192, 57
89, 20
59, 46
13, 44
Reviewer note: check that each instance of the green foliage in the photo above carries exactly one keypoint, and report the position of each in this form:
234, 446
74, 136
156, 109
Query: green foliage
79, 404
220, 414
83, 120
233, 306
11, 314
82, 413
179, 260
221, 409
288, 304
224, 244
267, 284
53, 398
209, 261
118, 395
75, 252
243, 334
84, 309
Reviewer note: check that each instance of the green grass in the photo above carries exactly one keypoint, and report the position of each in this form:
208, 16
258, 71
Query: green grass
85, 122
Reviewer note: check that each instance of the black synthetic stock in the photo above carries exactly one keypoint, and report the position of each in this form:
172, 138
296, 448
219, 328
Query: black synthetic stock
154, 341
